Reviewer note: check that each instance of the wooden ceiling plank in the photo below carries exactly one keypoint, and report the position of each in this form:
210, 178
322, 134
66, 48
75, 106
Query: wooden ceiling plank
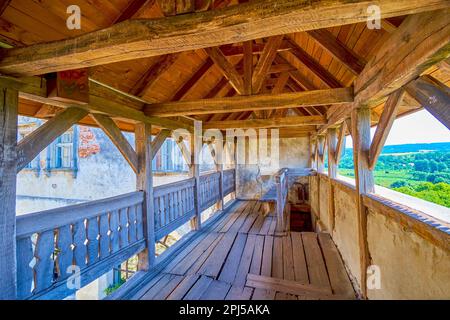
193, 80
153, 73
338, 50
132, 9
140, 38
255, 102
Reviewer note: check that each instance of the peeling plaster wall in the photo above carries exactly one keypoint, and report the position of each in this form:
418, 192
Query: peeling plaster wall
411, 266
253, 180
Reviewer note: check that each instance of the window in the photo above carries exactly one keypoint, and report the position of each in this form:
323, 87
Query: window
169, 158
62, 154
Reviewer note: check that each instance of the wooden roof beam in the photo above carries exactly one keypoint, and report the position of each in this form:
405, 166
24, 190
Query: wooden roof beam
251, 103
421, 41
265, 123
433, 95
140, 38
227, 69
316, 68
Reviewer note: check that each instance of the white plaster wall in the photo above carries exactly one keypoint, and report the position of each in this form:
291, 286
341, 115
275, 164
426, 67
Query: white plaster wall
410, 266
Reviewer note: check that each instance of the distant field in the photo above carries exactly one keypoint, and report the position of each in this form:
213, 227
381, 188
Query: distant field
384, 178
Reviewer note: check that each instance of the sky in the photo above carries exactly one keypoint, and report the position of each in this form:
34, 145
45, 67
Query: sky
419, 127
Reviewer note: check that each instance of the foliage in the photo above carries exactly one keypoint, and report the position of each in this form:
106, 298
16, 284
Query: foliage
110, 289
421, 170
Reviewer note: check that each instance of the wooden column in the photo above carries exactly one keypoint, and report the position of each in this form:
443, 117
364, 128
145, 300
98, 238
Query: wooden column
332, 145
320, 153
364, 183
144, 182
196, 145
332, 174
8, 168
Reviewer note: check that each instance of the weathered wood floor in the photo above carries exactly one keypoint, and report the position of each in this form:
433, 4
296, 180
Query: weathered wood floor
216, 265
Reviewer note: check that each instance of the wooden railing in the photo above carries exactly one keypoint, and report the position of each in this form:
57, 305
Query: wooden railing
282, 187
229, 181
58, 248
174, 206
209, 190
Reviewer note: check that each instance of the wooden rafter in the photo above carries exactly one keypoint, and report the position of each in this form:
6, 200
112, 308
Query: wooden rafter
433, 95
323, 74
38, 140
141, 38
248, 66
119, 140
254, 102
158, 141
227, 68
338, 50
384, 126
264, 62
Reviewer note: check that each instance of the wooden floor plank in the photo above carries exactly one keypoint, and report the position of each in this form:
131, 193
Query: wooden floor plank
231, 265
273, 227
262, 294
185, 285
168, 288
216, 259
339, 280
288, 261
277, 260
314, 260
138, 295
205, 255
217, 290
198, 289
266, 264
180, 256
160, 285
239, 293
241, 219
300, 267
255, 266
248, 223
266, 226
257, 225
225, 225
183, 266
244, 265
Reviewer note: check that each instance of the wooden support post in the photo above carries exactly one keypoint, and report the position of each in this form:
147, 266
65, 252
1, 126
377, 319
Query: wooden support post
320, 153
196, 144
332, 149
218, 160
364, 183
8, 168
332, 174
144, 182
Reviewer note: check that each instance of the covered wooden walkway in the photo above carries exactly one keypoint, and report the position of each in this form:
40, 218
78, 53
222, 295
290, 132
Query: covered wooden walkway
239, 257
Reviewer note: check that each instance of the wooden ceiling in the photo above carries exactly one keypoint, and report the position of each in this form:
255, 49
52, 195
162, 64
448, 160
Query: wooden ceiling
297, 62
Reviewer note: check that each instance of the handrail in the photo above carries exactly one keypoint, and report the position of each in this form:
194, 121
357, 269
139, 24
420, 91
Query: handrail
91, 237
29, 224
282, 186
